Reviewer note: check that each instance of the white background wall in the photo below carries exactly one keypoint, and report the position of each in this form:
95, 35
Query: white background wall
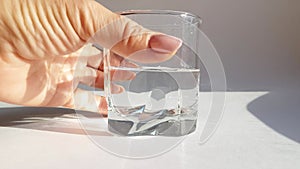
258, 40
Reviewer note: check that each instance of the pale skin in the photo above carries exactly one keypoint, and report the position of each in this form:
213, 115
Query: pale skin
41, 41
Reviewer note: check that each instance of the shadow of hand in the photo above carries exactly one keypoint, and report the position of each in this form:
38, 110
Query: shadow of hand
47, 119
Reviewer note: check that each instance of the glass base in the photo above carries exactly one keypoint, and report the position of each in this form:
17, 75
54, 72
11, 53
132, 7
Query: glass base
167, 128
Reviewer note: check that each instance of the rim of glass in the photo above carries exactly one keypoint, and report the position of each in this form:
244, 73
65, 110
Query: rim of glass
164, 12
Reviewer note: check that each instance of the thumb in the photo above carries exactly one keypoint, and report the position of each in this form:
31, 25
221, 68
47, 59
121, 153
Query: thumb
124, 36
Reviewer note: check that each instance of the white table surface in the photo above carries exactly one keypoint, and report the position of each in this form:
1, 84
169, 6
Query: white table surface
259, 130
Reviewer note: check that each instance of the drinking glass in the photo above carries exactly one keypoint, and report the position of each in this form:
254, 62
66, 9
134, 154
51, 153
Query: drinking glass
162, 98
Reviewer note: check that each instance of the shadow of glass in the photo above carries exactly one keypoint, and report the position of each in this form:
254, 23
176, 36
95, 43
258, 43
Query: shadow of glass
48, 119
280, 110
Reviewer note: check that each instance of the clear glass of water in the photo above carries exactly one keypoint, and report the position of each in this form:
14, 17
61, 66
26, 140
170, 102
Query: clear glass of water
162, 98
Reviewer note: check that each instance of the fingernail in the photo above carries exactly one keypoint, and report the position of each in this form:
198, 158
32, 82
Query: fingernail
116, 89
165, 43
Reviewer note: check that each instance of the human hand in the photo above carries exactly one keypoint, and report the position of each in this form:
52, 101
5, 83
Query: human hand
41, 42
